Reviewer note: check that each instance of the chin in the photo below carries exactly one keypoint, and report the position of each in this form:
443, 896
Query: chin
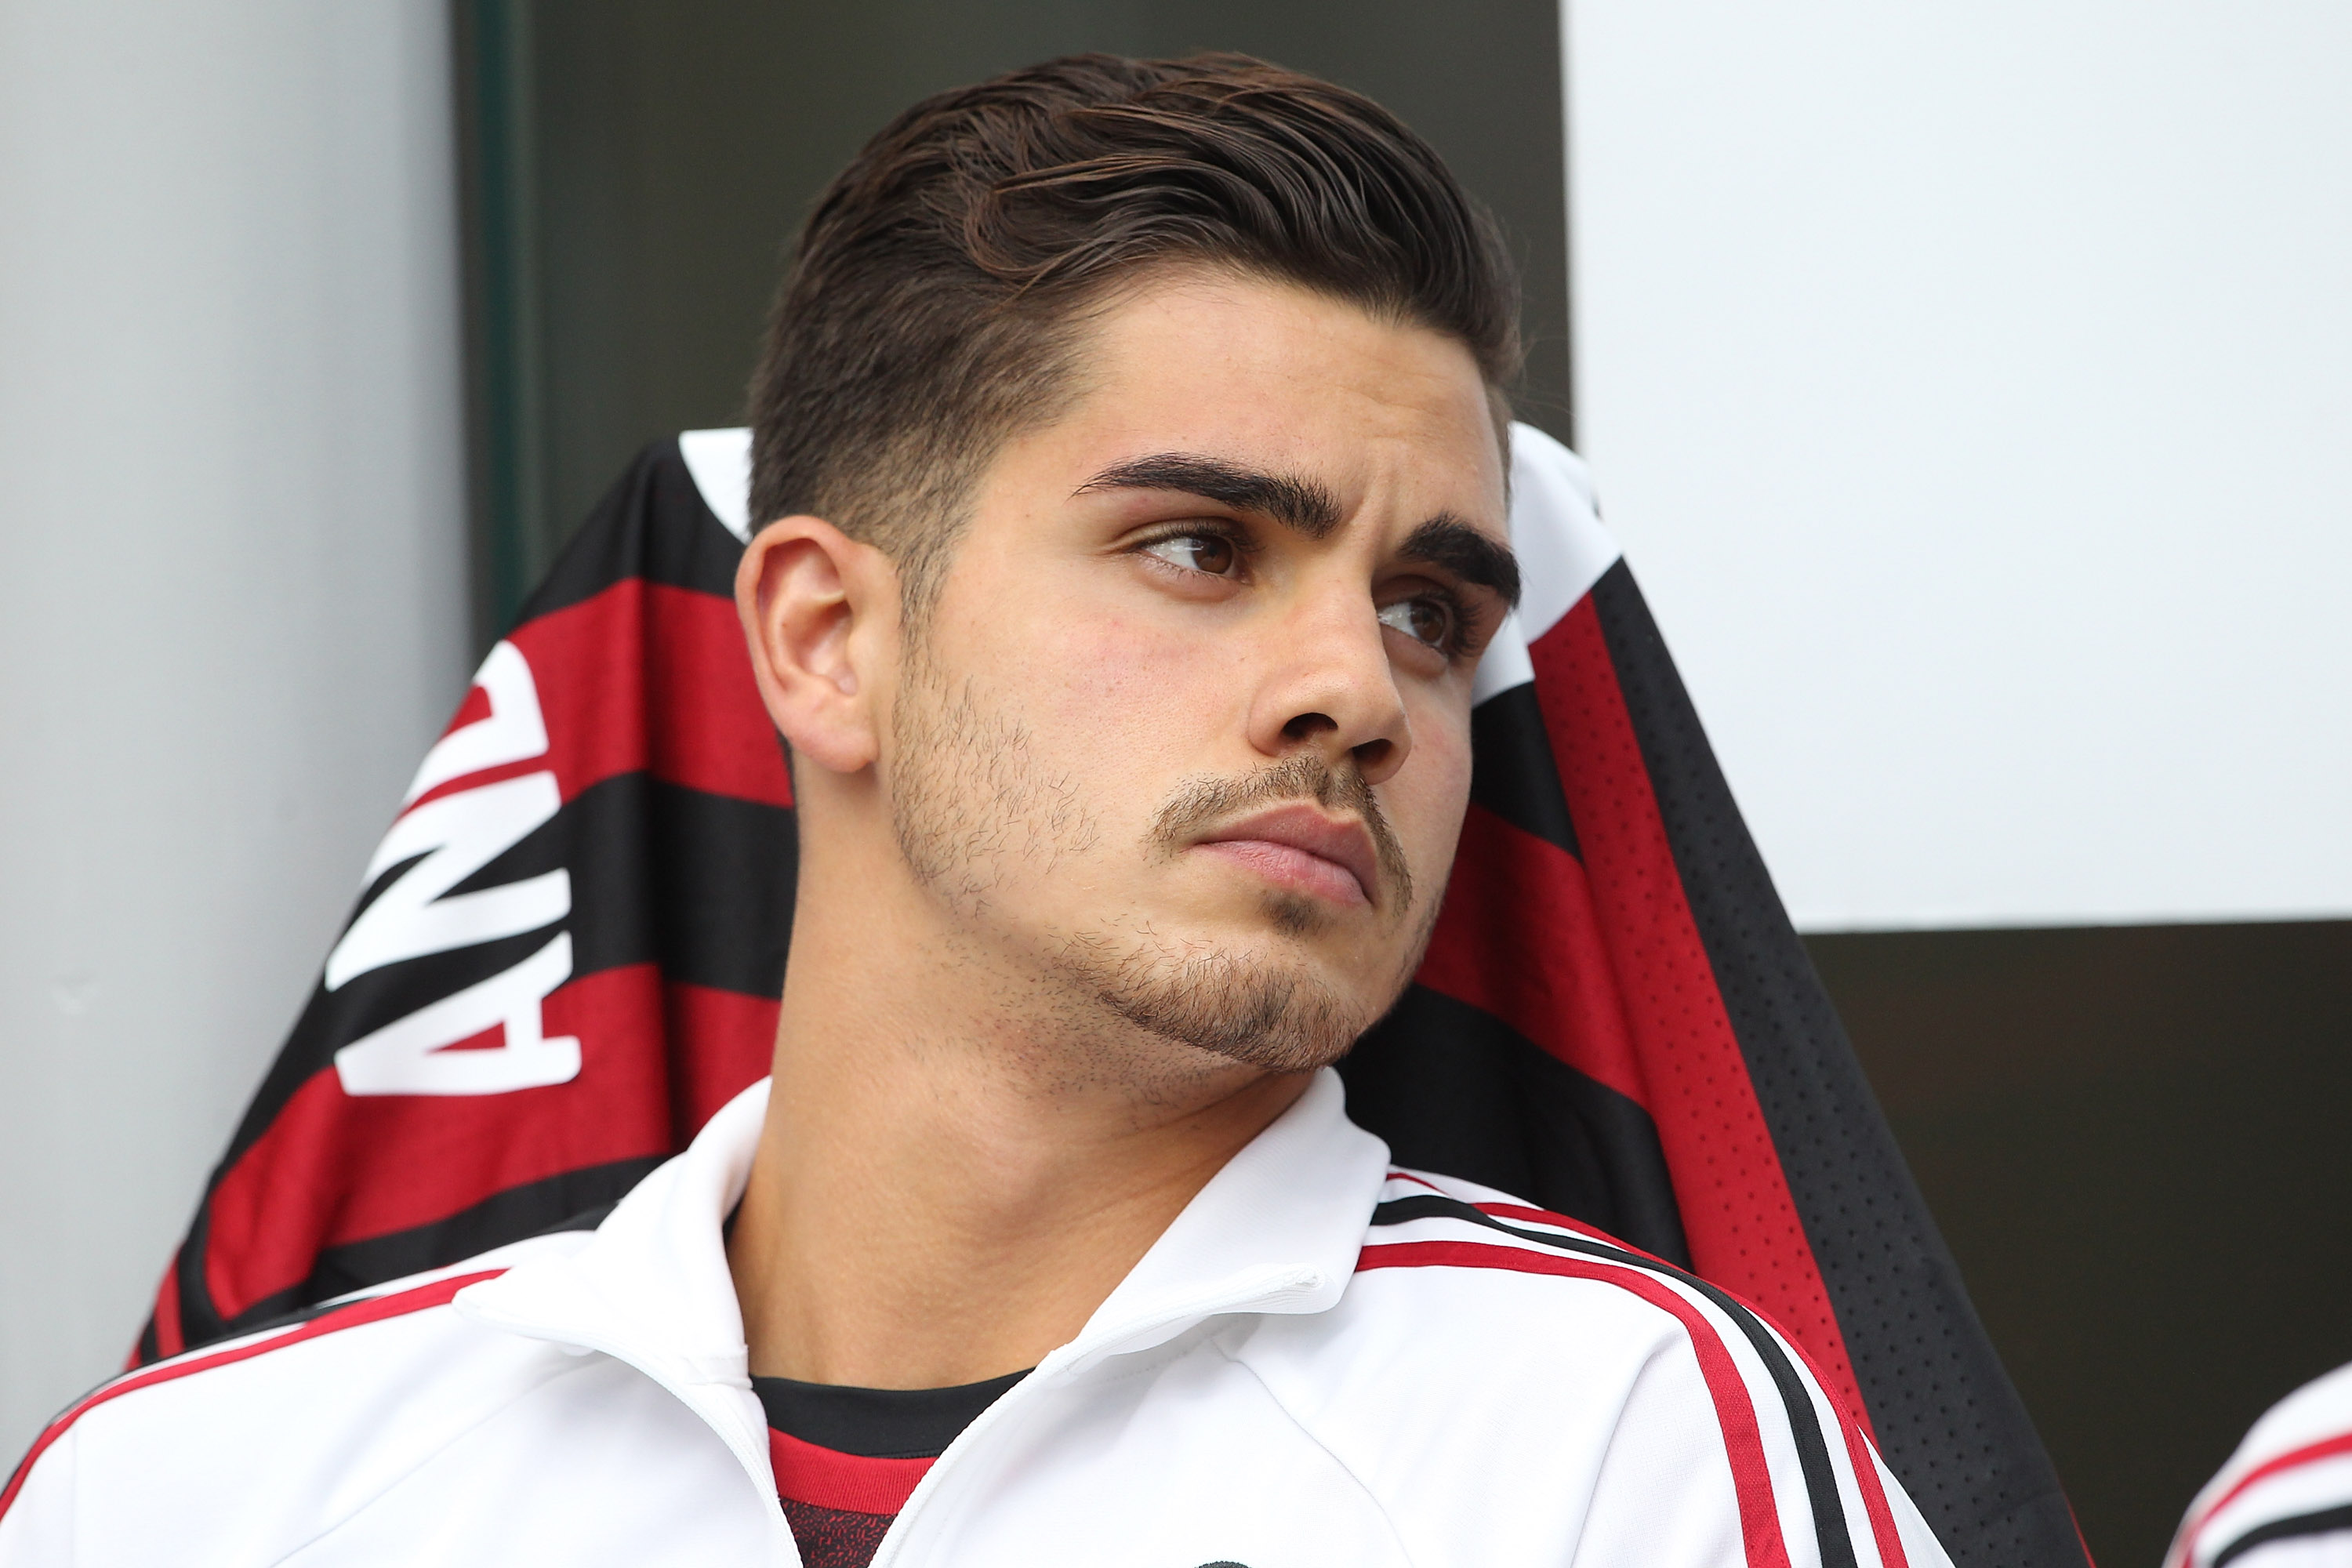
1297, 914
1255, 995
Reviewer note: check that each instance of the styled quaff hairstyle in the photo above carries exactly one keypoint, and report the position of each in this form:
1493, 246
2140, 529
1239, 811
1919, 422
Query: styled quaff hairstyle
940, 286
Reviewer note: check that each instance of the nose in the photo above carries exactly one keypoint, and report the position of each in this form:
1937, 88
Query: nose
1328, 684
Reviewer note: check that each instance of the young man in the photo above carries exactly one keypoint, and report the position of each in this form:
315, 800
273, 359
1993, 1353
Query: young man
1132, 443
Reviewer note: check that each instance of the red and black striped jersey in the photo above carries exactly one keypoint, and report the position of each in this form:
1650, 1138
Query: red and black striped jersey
846, 1460
1325, 1359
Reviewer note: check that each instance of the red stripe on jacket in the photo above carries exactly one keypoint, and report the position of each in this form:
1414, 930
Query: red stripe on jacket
1735, 1410
1857, 1446
374, 1309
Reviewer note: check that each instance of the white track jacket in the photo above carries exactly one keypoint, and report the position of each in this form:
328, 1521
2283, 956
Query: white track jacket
1325, 1363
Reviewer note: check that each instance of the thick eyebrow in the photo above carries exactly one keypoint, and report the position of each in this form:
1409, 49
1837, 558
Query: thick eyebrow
1444, 541
1296, 504
1452, 545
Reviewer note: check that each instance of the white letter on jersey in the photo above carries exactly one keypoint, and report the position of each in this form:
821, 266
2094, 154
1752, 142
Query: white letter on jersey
406, 1057
457, 835
512, 731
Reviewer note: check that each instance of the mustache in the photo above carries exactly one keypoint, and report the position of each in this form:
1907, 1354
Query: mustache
1202, 802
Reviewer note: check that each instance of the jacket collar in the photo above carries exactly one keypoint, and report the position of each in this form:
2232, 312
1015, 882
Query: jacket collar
652, 1285
1276, 1230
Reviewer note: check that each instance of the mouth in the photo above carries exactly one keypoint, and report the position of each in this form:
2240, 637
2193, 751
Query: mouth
1301, 849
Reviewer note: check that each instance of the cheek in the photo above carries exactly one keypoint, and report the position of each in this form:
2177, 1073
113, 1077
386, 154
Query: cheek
1139, 694
1427, 799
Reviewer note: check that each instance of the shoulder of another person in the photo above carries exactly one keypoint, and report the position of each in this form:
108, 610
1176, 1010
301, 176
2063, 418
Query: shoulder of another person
2285, 1495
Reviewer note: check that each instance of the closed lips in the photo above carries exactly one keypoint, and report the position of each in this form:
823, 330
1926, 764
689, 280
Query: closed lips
1298, 846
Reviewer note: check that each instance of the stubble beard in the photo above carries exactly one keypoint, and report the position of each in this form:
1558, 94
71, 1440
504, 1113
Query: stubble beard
970, 806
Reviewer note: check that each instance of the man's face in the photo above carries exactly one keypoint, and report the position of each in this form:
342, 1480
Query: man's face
1186, 736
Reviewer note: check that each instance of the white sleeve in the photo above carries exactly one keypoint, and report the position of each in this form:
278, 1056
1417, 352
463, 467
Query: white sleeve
37, 1525
1665, 1495
1735, 1465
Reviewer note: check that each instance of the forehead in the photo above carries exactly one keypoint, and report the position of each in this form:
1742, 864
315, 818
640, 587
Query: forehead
1392, 418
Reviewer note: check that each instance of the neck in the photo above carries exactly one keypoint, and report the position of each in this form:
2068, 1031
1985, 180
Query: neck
947, 1184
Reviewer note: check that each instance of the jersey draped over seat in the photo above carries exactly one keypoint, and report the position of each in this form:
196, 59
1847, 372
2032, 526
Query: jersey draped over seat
567, 953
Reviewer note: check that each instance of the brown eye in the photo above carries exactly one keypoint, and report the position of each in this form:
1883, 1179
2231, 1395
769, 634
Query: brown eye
1426, 620
1206, 553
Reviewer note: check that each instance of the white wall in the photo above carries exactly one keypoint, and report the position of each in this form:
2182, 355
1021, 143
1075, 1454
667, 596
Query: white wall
232, 607
1971, 386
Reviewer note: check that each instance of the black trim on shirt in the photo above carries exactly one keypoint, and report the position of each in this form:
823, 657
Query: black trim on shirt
878, 1422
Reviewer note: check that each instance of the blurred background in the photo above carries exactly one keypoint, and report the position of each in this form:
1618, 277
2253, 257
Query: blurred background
1971, 387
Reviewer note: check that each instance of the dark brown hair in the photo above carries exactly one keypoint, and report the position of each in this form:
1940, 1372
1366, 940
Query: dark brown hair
937, 290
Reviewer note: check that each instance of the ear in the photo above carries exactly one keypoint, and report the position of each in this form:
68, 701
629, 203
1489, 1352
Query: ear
820, 613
